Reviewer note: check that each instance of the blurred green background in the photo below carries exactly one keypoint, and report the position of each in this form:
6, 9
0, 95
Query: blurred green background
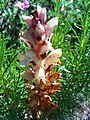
72, 35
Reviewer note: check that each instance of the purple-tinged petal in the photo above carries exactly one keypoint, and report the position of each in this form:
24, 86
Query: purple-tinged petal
32, 56
22, 5
43, 16
28, 57
39, 31
39, 9
28, 20
39, 28
23, 59
51, 24
28, 74
28, 38
19, 5
26, 4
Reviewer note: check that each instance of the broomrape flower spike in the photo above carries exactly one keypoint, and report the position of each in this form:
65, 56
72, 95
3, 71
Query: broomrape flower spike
22, 5
40, 62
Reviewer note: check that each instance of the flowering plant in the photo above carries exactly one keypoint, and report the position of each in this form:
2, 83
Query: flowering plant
39, 77
22, 5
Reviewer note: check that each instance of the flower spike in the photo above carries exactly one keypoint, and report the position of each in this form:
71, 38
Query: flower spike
41, 58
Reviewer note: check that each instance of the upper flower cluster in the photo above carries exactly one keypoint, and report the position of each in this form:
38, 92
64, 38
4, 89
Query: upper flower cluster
38, 24
39, 34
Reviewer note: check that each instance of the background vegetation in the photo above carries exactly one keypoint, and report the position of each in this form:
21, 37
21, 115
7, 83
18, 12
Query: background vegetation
72, 35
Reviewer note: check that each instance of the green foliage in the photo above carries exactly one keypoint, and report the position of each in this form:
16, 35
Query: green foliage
72, 35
